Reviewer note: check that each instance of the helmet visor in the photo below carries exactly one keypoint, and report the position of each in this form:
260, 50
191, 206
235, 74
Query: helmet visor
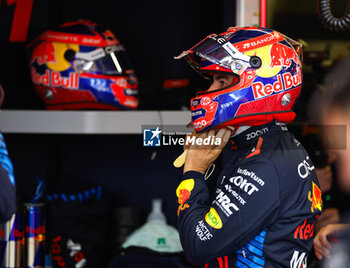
111, 60
217, 50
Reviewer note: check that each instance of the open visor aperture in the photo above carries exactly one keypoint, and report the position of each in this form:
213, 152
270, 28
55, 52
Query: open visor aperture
217, 50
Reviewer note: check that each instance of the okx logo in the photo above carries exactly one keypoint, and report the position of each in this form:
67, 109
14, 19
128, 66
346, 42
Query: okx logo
152, 137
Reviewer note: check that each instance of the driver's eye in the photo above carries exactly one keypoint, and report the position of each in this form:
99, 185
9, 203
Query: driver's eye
222, 83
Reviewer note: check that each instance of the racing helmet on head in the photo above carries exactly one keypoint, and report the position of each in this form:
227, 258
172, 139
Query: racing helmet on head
81, 65
267, 78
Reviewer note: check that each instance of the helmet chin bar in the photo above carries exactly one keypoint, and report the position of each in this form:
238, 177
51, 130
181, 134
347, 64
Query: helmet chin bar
254, 120
214, 110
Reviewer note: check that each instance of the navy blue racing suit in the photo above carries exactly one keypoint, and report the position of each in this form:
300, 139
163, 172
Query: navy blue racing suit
262, 208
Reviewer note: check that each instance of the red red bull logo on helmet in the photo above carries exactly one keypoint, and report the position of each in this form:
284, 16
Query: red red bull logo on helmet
284, 82
44, 52
282, 55
55, 79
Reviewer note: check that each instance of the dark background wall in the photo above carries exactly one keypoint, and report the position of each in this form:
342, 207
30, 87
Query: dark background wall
130, 174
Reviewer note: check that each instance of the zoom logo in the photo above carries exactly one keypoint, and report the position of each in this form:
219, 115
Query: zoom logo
257, 133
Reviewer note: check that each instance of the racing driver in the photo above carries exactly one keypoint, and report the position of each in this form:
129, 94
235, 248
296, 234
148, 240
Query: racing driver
260, 208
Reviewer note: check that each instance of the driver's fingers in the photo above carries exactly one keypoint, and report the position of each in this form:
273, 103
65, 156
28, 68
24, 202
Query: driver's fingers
224, 135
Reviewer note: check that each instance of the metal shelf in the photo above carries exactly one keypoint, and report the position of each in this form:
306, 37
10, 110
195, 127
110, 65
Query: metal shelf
86, 122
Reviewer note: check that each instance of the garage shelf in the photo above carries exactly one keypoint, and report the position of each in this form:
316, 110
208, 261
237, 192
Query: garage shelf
87, 122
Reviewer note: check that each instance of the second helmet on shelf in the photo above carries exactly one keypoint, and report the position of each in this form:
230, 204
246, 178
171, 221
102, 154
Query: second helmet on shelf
81, 65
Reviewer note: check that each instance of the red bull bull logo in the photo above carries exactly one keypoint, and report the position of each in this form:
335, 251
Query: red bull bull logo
52, 54
183, 192
282, 55
284, 82
55, 79
43, 53
315, 198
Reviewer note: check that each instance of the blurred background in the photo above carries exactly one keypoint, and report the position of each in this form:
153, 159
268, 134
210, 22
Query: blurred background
152, 32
